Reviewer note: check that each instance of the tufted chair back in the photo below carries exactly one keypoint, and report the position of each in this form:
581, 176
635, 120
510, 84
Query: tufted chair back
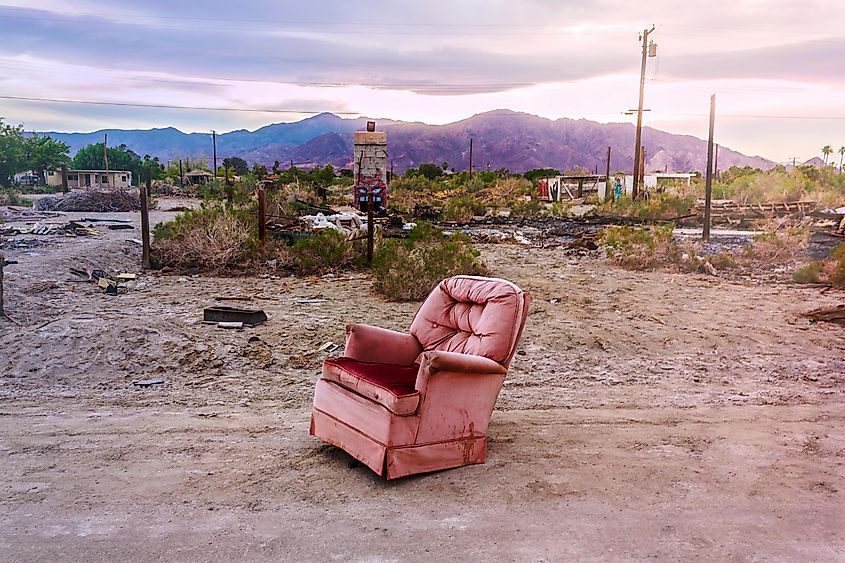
473, 315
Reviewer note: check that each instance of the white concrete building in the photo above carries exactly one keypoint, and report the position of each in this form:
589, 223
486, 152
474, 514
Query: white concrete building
91, 178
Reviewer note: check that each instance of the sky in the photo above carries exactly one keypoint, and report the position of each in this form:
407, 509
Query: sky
777, 67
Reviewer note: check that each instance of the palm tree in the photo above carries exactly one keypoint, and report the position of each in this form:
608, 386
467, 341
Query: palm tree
841, 155
826, 150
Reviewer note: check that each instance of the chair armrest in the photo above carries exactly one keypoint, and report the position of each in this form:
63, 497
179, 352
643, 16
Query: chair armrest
463, 375
367, 343
437, 360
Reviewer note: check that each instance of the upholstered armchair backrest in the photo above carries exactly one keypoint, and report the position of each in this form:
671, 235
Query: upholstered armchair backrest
473, 315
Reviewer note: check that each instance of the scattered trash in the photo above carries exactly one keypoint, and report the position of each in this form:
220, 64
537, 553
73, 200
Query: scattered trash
107, 284
120, 227
233, 297
328, 346
230, 324
110, 285
249, 317
148, 382
306, 300
105, 220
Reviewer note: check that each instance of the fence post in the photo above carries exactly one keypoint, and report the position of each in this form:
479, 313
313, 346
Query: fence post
262, 217
145, 222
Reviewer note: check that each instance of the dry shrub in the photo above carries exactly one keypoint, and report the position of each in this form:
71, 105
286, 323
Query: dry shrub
506, 192
723, 261
830, 271
641, 248
408, 269
780, 242
215, 239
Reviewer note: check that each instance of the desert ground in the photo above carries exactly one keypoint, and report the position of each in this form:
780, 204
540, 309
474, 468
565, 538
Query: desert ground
648, 415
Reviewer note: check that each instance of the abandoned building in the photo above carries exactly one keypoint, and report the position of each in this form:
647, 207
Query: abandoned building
198, 177
91, 178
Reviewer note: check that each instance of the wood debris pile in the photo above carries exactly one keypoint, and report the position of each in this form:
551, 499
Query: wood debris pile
90, 201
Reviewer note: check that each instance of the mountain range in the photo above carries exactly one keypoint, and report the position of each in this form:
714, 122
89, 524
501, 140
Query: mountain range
501, 138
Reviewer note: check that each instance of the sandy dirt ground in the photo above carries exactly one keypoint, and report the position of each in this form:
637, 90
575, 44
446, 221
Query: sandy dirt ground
647, 416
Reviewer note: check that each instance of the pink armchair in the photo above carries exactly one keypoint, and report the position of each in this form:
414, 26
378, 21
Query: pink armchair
411, 403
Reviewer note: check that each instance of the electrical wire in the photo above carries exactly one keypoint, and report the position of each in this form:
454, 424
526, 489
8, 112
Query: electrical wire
168, 106
309, 112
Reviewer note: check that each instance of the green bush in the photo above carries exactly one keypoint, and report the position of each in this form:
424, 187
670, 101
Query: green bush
324, 252
408, 269
13, 197
462, 209
529, 208
241, 192
659, 207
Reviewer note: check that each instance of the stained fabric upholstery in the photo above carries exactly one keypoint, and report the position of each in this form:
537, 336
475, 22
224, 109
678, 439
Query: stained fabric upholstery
472, 315
390, 385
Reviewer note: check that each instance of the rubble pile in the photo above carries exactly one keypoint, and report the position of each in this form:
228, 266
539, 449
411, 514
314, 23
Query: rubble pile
90, 201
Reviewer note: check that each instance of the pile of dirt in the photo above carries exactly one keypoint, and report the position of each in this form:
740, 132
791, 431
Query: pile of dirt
90, 201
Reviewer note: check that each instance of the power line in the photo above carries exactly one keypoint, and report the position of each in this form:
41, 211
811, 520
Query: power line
292, 111
24, 67
167, 106
367, 24
366, 27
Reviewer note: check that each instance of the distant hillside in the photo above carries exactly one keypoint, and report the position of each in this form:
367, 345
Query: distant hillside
501, 138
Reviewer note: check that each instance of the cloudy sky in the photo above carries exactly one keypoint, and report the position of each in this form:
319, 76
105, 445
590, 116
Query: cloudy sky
777, 67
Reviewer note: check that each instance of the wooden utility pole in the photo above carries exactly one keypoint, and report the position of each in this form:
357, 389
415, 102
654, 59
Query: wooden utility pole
214, 150
639, 139
708, 183
716, 163
145, 221
470, 158
262, 217
2, 263
641, 181
64, 179
106, 155
181, 175
608, 189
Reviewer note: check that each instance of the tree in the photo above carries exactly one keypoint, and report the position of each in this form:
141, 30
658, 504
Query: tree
11, 152
430, 171
536, 173
42, 153
841, 155
259, 171
826, 150
120, 158
237, 165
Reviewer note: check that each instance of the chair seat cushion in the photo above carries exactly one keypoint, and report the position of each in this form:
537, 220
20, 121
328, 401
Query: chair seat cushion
390, 385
